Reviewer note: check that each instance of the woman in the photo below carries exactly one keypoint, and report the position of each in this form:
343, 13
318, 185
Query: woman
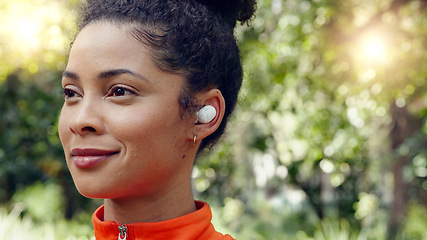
147, 86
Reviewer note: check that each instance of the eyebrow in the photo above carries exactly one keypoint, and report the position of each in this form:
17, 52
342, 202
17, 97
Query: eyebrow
105, 74
116, 72
70, 75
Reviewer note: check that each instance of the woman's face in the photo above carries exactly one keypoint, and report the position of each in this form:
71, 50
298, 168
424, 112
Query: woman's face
121, 126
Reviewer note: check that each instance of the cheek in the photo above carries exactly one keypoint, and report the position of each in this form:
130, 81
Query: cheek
142, 119
137, 128
147, 130
63, 126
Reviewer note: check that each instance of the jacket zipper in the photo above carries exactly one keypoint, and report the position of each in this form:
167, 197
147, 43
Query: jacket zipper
123, 232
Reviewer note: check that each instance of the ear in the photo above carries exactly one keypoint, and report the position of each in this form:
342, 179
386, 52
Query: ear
214, 98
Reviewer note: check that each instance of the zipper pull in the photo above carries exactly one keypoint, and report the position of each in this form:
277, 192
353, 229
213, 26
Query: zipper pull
123, 232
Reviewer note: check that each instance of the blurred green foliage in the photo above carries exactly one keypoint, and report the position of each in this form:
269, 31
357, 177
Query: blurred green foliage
38, 213
331, 121
41, 202
329, 140
30, 147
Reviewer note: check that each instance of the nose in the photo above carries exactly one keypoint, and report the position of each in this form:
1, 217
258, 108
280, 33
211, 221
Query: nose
87, 118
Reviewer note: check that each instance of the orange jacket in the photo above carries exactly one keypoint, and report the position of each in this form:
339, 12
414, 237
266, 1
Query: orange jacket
194, 226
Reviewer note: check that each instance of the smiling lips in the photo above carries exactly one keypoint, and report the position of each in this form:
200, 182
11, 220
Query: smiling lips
89, 157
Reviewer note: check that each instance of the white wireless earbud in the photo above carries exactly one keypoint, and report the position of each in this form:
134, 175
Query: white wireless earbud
206, 114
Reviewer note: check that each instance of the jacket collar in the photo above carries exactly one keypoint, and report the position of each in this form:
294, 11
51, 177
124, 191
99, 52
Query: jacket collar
195, 225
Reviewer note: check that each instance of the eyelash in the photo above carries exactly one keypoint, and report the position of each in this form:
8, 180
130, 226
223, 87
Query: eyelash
113, 92
68, 93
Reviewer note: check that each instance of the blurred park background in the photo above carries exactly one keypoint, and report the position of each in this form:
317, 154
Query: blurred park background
329, 140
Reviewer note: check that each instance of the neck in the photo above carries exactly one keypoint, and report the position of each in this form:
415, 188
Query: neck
176, 202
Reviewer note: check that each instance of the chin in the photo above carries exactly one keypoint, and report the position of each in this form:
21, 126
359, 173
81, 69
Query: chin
91, 193
98, 191
91, 190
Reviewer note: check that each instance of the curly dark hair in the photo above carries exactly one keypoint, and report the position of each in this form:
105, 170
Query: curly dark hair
188, 37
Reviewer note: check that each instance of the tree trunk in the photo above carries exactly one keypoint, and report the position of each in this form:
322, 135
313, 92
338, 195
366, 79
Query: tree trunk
404, 125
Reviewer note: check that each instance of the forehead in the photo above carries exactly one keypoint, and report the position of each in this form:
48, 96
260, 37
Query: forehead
103, 36
102, 46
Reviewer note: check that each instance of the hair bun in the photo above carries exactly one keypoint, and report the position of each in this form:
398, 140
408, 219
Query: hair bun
233, 10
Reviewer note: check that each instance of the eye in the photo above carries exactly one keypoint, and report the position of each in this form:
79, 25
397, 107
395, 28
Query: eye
118, 91
68, 93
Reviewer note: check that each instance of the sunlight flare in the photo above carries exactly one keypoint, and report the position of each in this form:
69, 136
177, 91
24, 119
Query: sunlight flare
374, 48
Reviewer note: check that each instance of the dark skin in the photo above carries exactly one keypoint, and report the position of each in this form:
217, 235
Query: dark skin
121, 126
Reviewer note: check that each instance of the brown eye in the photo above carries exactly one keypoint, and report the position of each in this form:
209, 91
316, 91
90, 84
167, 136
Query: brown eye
68, 93
120, 91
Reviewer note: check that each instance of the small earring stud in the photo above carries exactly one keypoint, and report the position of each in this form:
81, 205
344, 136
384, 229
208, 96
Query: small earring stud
194, 140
